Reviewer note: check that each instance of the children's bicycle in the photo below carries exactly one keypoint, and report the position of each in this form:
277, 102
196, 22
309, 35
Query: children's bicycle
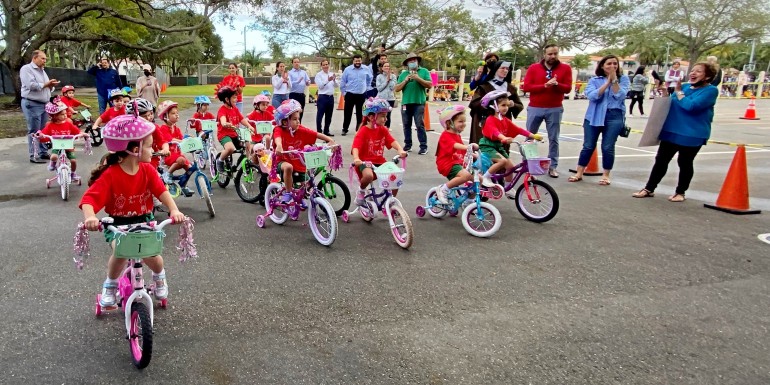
389, 177
64, 175
134, 243
203, 156
282, 204
480, 219
535, 199
223, 178
86, 125
178, 182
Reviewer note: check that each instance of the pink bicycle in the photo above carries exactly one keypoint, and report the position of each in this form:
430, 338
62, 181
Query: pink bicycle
63, 171
134, 243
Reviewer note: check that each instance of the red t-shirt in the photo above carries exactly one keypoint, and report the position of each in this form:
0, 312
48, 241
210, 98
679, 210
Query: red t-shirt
301, 138
371, 143
71, 103
204, 116
123, 195
446, 155
158, 140
258, 116
234, 81
112, 113
170, 133
493, 127
233, 116
64, 128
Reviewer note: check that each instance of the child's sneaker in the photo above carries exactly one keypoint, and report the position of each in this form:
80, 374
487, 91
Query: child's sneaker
441, 193
51, 166
287, 197
220, 165
360, 197
109, 290
187, 192
167, 178
486, 181
74, 176
161, 287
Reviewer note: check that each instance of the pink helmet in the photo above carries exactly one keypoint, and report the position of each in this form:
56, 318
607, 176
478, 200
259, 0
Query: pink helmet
165, 107
445, 115
123, 129
261, 98
489, 100
285, 110
54, 108
67, 88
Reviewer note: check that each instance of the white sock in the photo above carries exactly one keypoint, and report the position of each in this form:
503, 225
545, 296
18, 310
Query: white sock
487, 175
109, 280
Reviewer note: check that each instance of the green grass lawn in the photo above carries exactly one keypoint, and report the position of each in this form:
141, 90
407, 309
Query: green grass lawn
13, 124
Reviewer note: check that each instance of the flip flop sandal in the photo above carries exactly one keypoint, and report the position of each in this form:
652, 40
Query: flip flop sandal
604, 182
643, 193
575, 178
677, 198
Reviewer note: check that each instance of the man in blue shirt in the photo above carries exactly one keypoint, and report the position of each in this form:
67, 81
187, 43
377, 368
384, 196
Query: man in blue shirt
355, 80
106, 79
299, 82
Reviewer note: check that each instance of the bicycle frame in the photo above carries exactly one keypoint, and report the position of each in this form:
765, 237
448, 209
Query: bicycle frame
520, 170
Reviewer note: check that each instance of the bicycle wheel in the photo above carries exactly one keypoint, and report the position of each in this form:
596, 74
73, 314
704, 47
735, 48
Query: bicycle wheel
212, 155
481, 221
64, 183
223, 179
323, 221
200, 160
203, 186
140, 338
247, 183
278, 216
435, 209
543, 205
336, 192
402, 229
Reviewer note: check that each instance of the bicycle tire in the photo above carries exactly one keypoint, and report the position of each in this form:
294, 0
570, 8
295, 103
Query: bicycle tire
203, 186
405, 238
332, 193
241, 185
522, 201
278, 216
320, 212
470, 216
223, 179
141, 350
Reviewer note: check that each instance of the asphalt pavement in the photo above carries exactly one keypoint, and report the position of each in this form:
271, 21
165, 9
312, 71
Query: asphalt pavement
613, 290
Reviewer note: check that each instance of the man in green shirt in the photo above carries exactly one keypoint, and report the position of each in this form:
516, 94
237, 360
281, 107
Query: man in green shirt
414, 82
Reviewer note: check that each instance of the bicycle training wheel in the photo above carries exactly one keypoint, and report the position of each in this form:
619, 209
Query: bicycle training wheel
433, 206
140, 338
543, 205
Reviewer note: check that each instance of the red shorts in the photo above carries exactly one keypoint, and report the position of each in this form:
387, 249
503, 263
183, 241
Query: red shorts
169, 160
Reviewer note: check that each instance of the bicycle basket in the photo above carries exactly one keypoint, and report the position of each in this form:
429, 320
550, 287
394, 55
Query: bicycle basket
264, 127
85, 114
529, 150
389, 176
316, 159
244, 134
62, 144
139, 245
538, 166
208, 125
191, 145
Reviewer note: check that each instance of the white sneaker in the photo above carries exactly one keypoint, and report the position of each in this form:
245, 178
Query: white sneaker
441, 193
360, 198
487, 181
167, 178
511, 194
161, 286
109, 290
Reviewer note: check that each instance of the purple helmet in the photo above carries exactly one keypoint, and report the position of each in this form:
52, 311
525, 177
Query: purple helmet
123, 129
491, 96
285, 110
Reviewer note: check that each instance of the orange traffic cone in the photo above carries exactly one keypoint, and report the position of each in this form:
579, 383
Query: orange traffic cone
593, 166
751, 110
341, 105
163, 87
734, 196
426, 119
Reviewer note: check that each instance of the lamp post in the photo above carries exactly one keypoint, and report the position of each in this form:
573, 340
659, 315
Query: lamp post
668, 47
751, 58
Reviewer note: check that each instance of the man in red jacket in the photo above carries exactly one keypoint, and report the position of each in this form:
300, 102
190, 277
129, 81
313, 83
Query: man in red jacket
547, 81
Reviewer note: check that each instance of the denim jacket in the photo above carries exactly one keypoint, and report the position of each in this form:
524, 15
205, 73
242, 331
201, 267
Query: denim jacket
598, 105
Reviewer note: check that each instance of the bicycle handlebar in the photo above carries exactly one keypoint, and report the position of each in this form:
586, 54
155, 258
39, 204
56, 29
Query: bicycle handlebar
148, 226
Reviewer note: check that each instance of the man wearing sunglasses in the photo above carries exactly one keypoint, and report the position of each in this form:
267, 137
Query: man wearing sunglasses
547, 81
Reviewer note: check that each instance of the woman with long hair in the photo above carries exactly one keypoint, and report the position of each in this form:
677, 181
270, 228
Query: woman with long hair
638, 84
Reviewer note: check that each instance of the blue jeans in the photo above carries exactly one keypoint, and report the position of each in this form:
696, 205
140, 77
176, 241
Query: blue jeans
102, 102
34, 113
552, 117
279, 98
325, 105
239, 106
416, 112
613, 124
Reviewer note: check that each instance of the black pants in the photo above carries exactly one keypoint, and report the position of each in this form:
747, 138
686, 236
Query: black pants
666, 152
392, 104
325, 104
353, 100
637, 96
299, 97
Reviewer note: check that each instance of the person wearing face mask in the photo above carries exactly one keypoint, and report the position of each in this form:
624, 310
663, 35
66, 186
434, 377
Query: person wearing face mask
414, 82
501, 76
483, 71
147, 86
